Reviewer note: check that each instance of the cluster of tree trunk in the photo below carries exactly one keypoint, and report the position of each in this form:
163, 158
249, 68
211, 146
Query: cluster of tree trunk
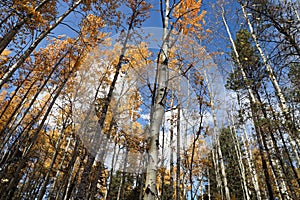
62, 139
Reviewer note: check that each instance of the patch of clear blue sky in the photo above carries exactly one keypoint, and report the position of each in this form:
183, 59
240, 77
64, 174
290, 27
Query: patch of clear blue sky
74, 19
154, 20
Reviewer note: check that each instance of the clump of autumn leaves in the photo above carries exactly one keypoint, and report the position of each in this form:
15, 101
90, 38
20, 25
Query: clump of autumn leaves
45, 99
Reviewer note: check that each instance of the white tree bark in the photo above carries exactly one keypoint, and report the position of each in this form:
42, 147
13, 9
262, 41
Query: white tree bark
61, 165
178, 159
278, 172
269, 69
172, 148
251, 165
158, 113
216, 168
216, 135
208, 186
249, 90
73, 171
240, 161
222, 165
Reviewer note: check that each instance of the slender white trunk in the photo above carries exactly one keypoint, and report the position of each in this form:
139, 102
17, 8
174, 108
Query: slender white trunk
240, 161
178, 160
61, 165
249, 90
295, 151
184, 178
222, 165
200, 185
216, 168
73, 171
271, 163
278, 171
208, 186
172, 149
158, 113
269, 69
185, 186
282, 102
216, 135
122, 183
54, 156
252, 169
276, 183
113, 160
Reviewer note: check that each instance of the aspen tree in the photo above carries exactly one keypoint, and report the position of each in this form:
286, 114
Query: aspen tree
252, 100
218, 146
249, 156
178, 156
282, 101
134, 19
158, 109
35, 135
252, 169
172, 122
9, 36
35, 43
239, 156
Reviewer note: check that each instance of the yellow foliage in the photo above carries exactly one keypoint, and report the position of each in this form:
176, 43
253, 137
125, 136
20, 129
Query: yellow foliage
6, 52
90, 30
4, 57
208, 31
189, 15
2, 95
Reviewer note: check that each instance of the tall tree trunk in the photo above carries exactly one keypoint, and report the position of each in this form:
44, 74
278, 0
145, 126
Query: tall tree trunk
216, 136
162, 164
178, 161
47, 177
36, 42
16, 92
288, 138
251, 165
185, 143
72, 169
8, 37
111, 172
249, 156
216, 164
263, 160
171, 196
15, 118
158, 112
240, 161
279, 164
253, 103
55, 179
83, 186
15, 180
222, 167
104, 141
208, 185
33, 100
122, 184
282, 101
